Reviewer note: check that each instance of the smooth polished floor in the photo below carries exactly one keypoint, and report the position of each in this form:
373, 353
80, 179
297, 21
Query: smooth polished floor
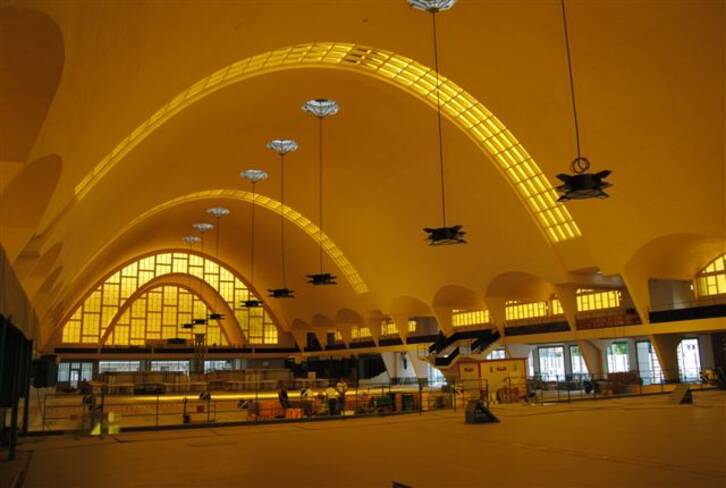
643, 442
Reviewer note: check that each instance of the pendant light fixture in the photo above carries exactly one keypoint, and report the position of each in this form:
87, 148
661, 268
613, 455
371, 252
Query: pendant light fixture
190, 240
581, 185
202, 228
254, 176
217, 213
321, 108
438, 236
282, 147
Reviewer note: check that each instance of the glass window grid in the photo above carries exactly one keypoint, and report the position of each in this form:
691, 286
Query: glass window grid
577, 361
588, 300
712, 280
516, 310
388, 328
358, 332
618, 357
465, 318
463, 109
412, 325
90, 320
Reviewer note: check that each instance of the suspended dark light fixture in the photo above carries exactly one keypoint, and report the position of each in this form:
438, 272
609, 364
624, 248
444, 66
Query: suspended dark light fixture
282, 147
191, 240
581, 185
217, 213
438, 236
202, 228
321, 108
254, 176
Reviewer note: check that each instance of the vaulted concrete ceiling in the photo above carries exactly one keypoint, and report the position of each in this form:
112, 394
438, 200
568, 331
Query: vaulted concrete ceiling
650, 90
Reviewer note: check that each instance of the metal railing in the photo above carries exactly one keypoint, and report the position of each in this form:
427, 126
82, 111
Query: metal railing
83, 413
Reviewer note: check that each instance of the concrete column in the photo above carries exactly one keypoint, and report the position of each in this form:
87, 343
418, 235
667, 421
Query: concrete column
389, 359
375, 327
443, 316
593, 357
497, 312
299, 336
567, 294
519, 350
666, 348
346, 332
639, 291
401, 322
420, 367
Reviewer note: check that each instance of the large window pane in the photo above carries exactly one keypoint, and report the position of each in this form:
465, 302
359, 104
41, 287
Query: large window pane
552, 363
648, 364
577, 362
618, 360
689, 360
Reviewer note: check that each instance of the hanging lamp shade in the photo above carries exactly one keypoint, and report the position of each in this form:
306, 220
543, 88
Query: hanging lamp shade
253, 175
432, 5
321, 107
282, 146
191, 240
218, 212
203, 227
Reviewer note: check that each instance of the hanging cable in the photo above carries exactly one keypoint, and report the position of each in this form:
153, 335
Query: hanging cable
438, 121
571, 77
282, 220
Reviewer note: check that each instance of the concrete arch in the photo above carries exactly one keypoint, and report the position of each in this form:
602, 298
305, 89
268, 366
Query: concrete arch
451, 297
461, 108
677, 256
203, 290
456, 296
403, 307
299, 330
71, 307
21, 210
516, 285
261, 201
33, 56
346, 319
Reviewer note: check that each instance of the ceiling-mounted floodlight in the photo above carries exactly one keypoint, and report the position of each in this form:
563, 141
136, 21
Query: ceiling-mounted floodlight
321, 108
580, 185
432, 5
281, 293
282, 147
215, 316
438, 236
253, 176
188, 325
251, 303
199, 321
445, 235
322, 279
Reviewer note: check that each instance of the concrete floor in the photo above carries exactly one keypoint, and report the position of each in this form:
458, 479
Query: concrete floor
642, 442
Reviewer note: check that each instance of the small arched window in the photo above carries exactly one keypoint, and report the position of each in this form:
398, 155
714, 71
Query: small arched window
712, 279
